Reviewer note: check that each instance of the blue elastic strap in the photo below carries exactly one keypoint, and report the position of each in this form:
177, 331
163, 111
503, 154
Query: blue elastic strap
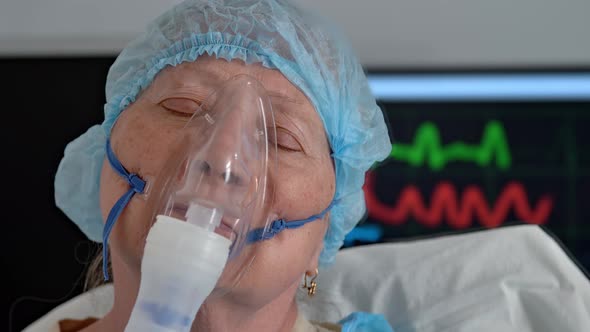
136, 184
277, 226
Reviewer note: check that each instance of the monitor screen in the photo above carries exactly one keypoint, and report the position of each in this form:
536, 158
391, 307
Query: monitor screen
482, 150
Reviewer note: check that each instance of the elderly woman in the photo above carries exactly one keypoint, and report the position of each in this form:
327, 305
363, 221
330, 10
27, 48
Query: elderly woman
329, 131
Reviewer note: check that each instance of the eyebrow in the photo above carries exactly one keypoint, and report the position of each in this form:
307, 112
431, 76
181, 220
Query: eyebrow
284, 97
290, 114
219, 76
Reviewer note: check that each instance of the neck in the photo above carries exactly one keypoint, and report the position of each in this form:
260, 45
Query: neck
220, 314
126, 288
225, 314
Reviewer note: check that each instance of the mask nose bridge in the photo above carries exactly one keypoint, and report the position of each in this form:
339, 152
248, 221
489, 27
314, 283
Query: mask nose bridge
226, 153
229, 167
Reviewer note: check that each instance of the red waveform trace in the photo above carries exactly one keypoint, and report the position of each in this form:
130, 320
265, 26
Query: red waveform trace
458, 211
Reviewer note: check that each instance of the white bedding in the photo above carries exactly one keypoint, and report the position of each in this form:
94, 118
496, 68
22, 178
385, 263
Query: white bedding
508, 279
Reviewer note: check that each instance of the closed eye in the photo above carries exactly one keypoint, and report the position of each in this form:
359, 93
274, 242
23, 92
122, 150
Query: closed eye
181, 106
286, 141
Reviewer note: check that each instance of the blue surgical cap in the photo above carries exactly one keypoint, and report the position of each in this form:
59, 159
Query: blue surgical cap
306, 50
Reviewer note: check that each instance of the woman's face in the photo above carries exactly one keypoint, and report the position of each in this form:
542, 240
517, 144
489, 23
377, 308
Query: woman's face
303, 180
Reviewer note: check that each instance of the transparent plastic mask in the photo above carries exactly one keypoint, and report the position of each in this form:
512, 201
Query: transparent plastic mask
217, 174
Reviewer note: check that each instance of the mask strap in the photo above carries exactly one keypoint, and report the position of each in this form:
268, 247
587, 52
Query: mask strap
136, 184
277, 226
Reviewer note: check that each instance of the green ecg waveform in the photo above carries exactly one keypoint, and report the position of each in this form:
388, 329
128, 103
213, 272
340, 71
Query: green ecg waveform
427, 148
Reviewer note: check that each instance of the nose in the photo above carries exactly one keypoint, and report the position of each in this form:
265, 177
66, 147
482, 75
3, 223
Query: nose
224, 173
228, 174
233, 146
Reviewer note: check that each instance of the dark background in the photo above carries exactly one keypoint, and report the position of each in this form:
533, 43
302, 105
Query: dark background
48, 102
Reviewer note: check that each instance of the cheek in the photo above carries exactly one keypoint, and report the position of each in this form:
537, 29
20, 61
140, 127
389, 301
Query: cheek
140, 143
282, 261
304, 191
280, 264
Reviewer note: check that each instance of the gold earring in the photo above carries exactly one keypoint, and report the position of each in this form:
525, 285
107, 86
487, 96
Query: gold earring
311, 286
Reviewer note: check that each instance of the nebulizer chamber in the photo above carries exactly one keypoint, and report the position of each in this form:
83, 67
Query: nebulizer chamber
209, 194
